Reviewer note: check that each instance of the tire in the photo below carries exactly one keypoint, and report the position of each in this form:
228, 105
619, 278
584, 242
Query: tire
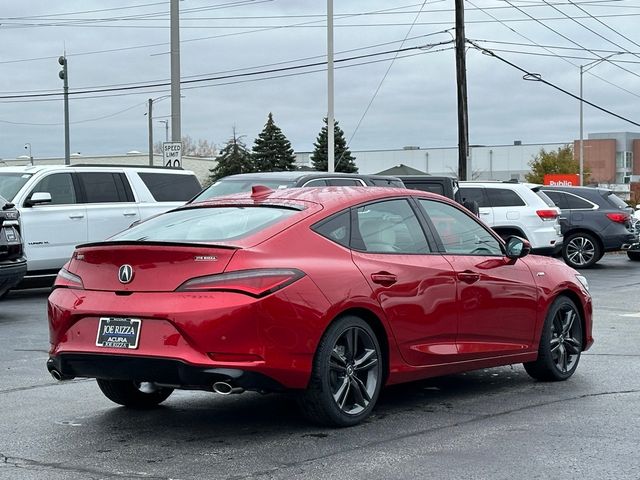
347, 375
134, 394
581, 250
560, 343
635, 256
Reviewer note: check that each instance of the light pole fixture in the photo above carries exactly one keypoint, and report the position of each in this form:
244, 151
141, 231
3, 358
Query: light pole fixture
585, 68
27, 146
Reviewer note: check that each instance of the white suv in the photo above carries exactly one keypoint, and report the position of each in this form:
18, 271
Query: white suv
517, 209
63, 206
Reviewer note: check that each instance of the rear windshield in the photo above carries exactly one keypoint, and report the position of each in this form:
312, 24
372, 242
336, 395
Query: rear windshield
229, 187
545, 198
198, 225
616, 201
11, 183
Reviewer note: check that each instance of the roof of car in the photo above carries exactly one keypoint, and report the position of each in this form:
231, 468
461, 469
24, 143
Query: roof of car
39, 168
567, 188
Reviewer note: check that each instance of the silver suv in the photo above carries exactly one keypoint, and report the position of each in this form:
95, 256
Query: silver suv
520, 209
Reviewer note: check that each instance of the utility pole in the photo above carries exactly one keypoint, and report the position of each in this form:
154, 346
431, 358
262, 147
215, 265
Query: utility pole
64, 76
166, 129
176, 134
330, 113
461, 75
150, 115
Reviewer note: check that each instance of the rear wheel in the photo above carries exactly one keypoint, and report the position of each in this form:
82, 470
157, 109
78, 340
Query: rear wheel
134, 394
581, 250
347, 375
560, 343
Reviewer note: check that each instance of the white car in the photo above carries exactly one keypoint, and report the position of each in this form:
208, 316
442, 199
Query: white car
520, 209
63, 206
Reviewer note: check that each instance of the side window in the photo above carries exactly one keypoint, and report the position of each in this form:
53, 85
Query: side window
378, 182
103, 187
501, 197
390, 227
460, 234
336, 228
344, 182
559, 198
426, 187
578, 203
60, 186
474, 194
167, 187
316, 183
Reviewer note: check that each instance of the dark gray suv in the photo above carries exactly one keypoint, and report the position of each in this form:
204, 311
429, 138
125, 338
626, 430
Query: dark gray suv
594, 221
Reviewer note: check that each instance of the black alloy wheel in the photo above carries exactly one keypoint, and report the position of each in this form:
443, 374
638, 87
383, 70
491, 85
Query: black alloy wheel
347, 375
560, 343
581, 250
134, 394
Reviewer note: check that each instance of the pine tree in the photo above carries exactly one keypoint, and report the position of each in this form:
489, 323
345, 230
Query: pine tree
272, 151
234, 158
344, 161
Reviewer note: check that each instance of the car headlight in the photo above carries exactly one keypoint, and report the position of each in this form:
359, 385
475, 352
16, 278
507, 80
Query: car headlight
583, 280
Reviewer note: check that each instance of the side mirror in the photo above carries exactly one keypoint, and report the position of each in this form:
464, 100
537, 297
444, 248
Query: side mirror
517, 247
38, 198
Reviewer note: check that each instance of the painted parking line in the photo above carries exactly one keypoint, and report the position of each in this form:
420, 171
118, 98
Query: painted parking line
636, 315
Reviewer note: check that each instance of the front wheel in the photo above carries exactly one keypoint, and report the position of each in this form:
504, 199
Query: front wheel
560, 343
347, 375
581, 250
134, 394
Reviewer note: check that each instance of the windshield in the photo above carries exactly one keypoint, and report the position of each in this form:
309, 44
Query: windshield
210, 225
11, 183
229, 187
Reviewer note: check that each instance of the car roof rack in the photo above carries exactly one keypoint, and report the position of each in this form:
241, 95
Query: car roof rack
122, 165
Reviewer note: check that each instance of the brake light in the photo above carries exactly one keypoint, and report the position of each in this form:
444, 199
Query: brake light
256, 283
66, 279
618, 217
547, 215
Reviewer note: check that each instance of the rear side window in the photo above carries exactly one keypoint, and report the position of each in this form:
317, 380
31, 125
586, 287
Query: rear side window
316, 183
426, 187
345, 182
616, 201
105, 187
559, 198
336, 228
474, 194
575, 202
197, 225
166, 187
501, 197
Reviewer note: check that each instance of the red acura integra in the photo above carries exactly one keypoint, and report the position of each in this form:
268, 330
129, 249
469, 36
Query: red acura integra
332, 292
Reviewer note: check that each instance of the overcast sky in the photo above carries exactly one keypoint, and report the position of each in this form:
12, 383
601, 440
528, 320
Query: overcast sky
125, 43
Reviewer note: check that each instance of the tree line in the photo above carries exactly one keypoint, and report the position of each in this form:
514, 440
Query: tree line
272, 152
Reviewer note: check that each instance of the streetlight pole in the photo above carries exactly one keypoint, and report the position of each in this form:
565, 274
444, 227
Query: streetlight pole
150, 119
330, 113
28, 146
166, 129
64, 76
175, 71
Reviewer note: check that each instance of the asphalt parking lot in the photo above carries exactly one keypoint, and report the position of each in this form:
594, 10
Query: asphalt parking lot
487, 424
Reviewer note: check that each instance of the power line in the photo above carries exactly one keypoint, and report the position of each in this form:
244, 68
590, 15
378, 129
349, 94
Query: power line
604, 24
77, 121
538, 78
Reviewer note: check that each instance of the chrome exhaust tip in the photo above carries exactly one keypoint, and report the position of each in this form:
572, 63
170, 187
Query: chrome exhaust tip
56, 375
224, 388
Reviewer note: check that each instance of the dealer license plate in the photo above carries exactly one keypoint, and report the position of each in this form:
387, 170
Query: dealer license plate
118, 332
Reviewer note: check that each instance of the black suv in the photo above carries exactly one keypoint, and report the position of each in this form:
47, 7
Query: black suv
594, 221
297, 178
13, 264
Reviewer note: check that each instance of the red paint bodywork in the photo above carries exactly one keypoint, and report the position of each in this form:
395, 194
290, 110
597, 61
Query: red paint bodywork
431, 321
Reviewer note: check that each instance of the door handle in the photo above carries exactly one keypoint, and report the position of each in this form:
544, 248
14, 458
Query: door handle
385, 279
485, 213
76, 215
468, 276
129, 213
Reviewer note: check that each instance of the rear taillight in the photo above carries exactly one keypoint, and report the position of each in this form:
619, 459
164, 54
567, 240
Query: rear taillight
66, 279
547, 215
618, 217
256, 283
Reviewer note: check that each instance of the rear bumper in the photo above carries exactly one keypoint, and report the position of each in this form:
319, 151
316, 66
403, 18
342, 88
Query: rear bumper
11, 272
174, 373
618, 242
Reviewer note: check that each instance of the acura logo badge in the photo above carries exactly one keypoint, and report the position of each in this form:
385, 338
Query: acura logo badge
125, 274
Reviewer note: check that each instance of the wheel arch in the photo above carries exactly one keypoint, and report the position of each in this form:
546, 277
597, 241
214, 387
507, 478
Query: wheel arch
510, 230
573, 296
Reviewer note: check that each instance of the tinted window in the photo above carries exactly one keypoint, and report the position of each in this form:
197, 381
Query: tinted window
228, 187
60, 186
166, 187
501, 197
316, 183
11, 183
378, 182
426, 187
575, 202
460, 234
344, 182
337, 228
103, 187
205, 224
474, 194
390, 227
559, 198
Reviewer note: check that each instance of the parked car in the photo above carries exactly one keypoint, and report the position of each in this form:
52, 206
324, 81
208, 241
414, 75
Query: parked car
13, 264
329, 292
521, 209
297, 178
594, 221
445, 186
63, 206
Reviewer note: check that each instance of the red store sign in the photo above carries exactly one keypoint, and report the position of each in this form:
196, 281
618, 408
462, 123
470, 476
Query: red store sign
562, 179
